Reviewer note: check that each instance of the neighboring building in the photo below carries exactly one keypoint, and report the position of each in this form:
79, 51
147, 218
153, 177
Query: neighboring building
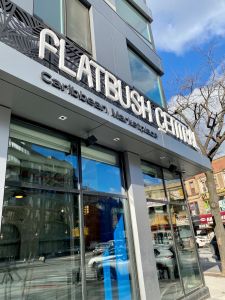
91, 195
198, 196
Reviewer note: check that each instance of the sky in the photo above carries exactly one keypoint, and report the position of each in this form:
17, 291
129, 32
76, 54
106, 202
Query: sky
183, 30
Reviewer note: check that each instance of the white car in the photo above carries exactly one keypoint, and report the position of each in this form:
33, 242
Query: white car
117, 264
202, 240
165, 263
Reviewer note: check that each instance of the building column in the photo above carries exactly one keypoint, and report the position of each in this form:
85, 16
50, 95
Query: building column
5, 114
144, 251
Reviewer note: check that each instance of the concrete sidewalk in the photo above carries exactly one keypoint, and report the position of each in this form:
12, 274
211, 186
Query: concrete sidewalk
208, 263
216, 287
213, 279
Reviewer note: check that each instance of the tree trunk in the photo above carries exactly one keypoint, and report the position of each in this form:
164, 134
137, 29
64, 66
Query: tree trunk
215, 209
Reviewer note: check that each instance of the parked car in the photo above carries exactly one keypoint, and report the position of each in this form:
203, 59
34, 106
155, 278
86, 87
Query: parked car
202, 240
101, 247
165, 263
117, 264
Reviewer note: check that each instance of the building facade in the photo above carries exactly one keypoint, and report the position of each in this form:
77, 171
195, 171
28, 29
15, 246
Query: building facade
92, 200
198, 196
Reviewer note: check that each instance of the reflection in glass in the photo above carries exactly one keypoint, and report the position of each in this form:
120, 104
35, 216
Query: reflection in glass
166, 260
173, 186
35, 164
133, 18
175, 262
106, 253
153, 182
144, 78
101, 170
69, 17
78, 24
39, 247
186, 247
51, 12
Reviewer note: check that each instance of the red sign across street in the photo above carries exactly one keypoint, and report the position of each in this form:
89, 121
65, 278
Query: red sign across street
207, 218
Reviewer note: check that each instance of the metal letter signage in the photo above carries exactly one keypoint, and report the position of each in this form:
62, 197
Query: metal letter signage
127, 97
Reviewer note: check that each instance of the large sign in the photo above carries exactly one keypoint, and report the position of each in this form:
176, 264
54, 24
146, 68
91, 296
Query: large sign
113, 88
80, 96
208, 218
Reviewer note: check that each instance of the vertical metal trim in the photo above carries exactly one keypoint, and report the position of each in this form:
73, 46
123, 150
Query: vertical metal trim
92, 33
144, 254
81, 218
122, 175
128, 224
5, 114
131, 251
174, 241
63, 15
192, 229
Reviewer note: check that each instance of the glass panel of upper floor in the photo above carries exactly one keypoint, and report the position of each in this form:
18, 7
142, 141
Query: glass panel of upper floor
51, 12
77, 23
134, 18
69, 17
145, 78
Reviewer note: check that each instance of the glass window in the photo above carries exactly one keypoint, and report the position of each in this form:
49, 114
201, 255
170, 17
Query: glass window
78, 24
133, 18
51, 13
153, 182
164, 250
39, 240
194, 209
173, 240
39, 245
173, 186
108, 265
192, 188
72, 13
101, 170
185, 243
162, 234
203, 185
139, 1
144, 78
40, 159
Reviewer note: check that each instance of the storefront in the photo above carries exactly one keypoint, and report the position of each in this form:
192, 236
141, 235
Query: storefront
91, 193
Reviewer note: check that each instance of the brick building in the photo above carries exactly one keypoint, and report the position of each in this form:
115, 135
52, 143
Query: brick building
198, 195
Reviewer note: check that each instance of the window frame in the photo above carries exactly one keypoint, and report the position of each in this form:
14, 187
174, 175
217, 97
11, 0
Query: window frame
135, 6
132, 49
181, 203
64, 22
80, 193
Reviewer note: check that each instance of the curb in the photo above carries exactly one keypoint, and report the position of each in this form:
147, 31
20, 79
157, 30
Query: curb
213, 274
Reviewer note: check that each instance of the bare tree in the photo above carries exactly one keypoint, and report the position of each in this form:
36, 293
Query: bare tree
202, 108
